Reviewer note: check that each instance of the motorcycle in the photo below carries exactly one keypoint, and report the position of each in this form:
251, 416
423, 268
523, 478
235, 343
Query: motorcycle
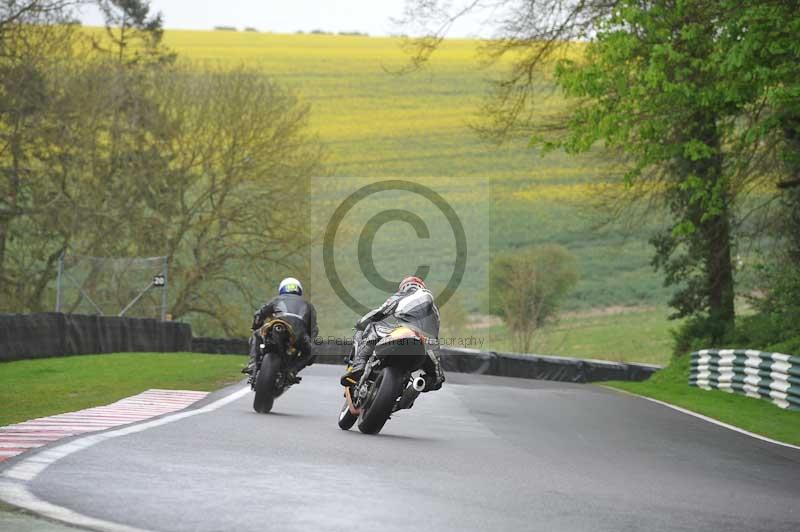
272, 376
392, 381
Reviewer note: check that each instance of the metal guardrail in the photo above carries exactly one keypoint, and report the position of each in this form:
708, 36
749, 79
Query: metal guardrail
759, 374
523, 366
51, 334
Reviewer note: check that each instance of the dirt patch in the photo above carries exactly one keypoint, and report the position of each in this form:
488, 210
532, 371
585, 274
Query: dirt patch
483, 321
606, 311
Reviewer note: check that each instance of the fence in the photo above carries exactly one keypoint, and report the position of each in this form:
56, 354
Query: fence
49, 334
759, 374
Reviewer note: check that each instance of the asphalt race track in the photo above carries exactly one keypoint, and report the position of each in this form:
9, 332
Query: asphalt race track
484, 453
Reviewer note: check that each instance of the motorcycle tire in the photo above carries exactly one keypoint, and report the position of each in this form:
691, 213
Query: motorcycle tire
373, 418
346, 418
266, 384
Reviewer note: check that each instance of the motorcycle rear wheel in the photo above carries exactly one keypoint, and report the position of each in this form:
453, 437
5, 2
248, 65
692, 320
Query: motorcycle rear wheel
266, 384
375, 416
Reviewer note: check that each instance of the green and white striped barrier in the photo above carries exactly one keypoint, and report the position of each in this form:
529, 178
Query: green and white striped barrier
772, 376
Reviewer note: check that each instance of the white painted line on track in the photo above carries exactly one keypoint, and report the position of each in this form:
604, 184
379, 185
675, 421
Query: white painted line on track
13, 489
17, 492
708, 419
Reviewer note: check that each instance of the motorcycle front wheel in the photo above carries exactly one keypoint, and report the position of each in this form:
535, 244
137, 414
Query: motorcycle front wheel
346, 418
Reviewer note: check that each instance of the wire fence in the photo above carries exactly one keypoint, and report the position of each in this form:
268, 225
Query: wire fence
108, 286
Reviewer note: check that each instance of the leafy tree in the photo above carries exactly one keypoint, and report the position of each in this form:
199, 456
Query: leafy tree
761, 63
34, 41
225, 210
651, 87
126, 154
647, 87
527, 289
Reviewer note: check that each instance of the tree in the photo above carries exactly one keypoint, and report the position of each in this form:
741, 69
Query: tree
647, 87
120, 152
651, 87
14, 12
527, 289
133, 34
761, 63
230, 204
60, 107
35, 41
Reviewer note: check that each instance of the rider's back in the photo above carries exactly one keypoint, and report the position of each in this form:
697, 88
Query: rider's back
295, 310
419, 310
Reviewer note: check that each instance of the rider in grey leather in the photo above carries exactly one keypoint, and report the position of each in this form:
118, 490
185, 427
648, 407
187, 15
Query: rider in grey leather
412, 305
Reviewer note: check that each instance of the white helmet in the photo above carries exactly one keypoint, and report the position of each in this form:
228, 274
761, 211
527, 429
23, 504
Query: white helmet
290, 285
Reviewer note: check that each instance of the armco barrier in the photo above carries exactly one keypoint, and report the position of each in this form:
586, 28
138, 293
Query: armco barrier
773, 376
220, 346
50, 334
516, 365
551, 368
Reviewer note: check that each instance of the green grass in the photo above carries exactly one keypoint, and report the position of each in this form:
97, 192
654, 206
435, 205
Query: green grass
755, 415
37, 388
629, 336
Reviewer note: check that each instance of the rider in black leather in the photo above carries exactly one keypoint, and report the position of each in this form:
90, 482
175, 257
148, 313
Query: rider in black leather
289, 306
413, 306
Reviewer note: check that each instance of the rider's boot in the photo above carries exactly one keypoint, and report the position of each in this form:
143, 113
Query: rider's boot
356, 369
434, 375
255, 342
251, 367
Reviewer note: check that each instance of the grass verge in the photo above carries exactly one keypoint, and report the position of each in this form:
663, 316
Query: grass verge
630, 336
754, 415
43, 387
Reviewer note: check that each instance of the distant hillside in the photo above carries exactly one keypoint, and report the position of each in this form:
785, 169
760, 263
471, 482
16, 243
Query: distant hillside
377, 123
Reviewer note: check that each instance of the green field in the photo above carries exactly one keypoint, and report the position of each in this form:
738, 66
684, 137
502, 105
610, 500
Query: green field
37, 388
624, 335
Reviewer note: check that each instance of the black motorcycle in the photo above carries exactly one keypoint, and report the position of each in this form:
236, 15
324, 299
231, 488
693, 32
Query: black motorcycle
276, 354
392, 381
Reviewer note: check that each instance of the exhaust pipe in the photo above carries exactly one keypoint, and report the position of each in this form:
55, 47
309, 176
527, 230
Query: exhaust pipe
419, 384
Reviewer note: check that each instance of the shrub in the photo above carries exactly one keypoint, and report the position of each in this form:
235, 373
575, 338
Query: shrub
762, 331
527, 289
789, 347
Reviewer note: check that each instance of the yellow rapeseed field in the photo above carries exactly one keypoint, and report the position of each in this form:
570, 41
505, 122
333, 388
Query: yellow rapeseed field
377, 121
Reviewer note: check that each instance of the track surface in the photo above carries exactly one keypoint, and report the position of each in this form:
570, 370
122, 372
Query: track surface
482, 453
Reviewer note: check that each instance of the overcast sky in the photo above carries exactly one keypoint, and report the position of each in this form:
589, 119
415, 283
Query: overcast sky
287, 16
